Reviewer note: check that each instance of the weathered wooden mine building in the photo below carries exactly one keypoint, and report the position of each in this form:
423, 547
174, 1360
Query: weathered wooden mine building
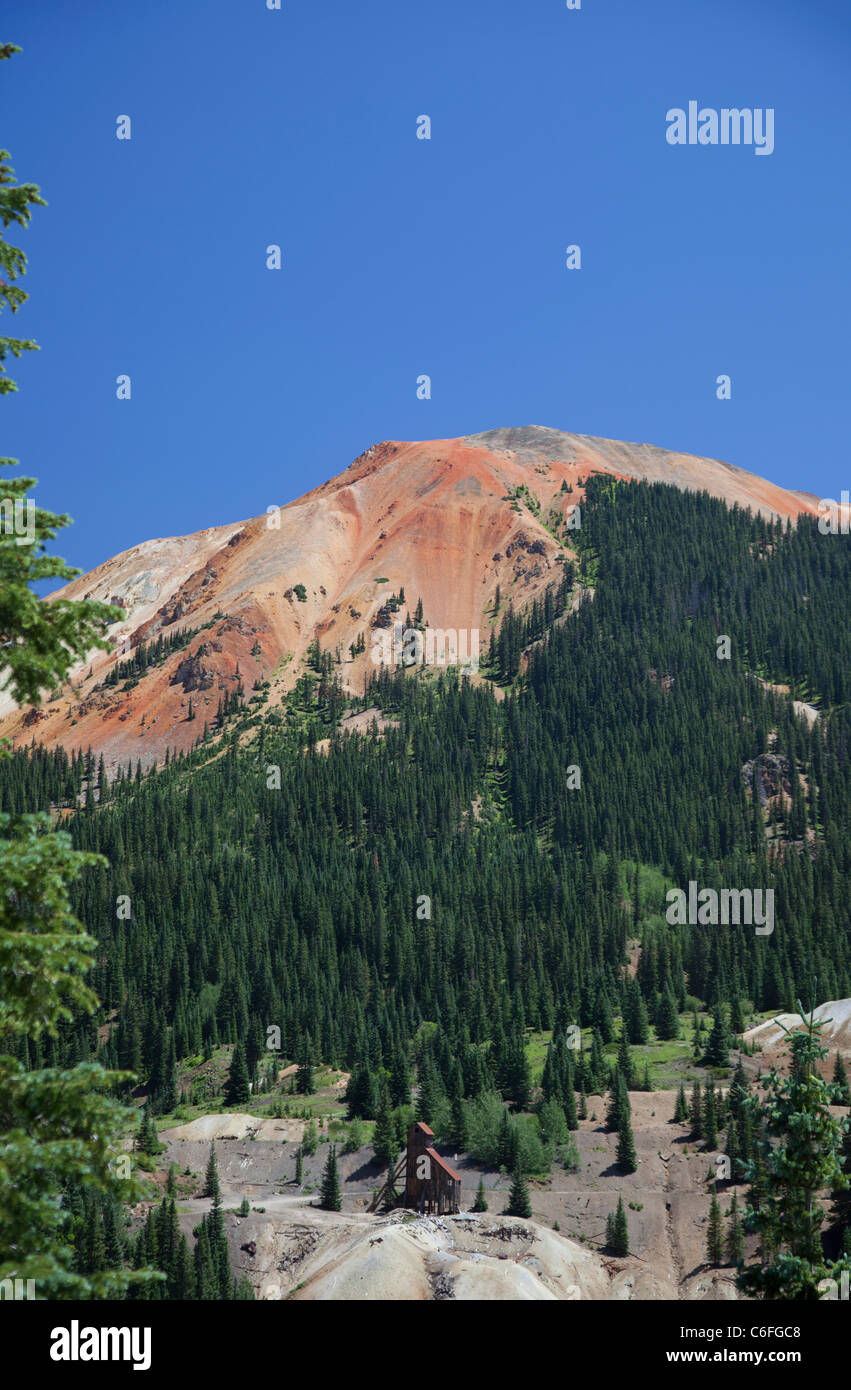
431, 1186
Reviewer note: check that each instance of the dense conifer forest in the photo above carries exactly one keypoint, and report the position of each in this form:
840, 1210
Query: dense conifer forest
301, 906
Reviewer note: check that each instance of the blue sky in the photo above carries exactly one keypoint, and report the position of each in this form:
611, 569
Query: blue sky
404, 256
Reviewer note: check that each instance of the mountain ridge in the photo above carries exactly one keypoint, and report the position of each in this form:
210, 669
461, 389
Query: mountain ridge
452, 522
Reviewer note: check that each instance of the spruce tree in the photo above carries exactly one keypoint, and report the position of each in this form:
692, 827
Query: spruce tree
518, 1198
570, 1112
458, 1134
667, 1017
626, 1146
715, 1234
618, 1108
304, 1083
384, 1136
481, 1202
718, 1047
840, 1081
147, 1140
696, 1111
710, 1122
329, 1192
238, 1089
204, 1274
617, 1231
735, 1241
211, 1177
681, 1110
625, 1064
400, 1079
799, 1150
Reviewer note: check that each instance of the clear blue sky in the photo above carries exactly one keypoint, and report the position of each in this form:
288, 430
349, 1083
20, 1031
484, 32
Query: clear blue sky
404, 256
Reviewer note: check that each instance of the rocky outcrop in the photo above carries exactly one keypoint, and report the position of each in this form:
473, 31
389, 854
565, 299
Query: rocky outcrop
192, 674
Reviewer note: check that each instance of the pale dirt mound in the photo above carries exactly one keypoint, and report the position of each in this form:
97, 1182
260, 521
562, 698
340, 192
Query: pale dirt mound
208, 1127
316, 1256
836, 1033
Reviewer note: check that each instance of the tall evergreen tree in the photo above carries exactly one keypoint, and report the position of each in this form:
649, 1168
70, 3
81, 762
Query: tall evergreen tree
211, 1177
329, 1192
617, 1231
734, 1244
718, 1047
238, 1088
715, 1234
518, 1198
800, 1152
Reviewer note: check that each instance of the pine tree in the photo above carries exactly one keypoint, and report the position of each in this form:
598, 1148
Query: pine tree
718, 1048
570, 1113
715, 1234
458, 1134
400, 1079
617, 1231
211, 1177
840, 1081
147, 1140
481, 1202
625, 1066
518, 1198
799, 1151
667, 1017
598, 1066
710, 1122
619, 1107
384, 1136
329, 1192
238, 1089
626, 1146
696, 1111
304, 1083
205, 1279
735, 1241
681, 1110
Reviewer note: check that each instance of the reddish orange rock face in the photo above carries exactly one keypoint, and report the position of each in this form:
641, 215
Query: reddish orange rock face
441, 520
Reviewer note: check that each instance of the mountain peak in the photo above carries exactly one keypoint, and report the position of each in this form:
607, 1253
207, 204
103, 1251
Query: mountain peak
447, 521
